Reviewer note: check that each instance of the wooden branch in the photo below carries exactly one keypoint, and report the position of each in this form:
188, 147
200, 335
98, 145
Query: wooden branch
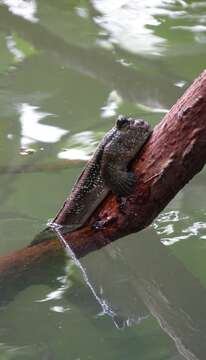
175, 152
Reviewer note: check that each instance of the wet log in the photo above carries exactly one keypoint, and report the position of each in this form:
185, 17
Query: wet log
175, 152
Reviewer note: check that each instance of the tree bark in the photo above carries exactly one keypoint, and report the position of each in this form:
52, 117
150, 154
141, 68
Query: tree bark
175, 152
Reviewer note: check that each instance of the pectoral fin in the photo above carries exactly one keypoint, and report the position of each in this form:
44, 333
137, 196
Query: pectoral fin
123, 184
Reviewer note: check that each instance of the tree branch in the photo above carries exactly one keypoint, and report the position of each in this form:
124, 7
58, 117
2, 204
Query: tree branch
175, 152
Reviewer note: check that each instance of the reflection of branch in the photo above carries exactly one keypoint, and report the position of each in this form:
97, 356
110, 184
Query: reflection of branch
99, 64
172, 295
26, 267
145, 275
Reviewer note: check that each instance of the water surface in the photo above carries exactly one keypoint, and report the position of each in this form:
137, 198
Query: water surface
67, 69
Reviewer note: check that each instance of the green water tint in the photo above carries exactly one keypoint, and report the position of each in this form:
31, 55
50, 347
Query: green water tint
67, 69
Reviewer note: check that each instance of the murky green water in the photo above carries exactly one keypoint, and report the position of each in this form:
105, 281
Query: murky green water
67, 68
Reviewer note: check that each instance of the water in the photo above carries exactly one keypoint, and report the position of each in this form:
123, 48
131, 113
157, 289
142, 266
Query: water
67, 68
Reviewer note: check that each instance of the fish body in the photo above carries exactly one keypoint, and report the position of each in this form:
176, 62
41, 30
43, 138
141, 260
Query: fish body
107, 170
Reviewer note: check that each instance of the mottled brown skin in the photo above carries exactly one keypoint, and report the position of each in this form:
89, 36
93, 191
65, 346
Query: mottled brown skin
106, 171
118, 155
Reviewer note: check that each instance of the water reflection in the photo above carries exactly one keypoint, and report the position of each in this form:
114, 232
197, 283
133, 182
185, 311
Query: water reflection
18, 54
129, 23
33, 131
80, 146
143, 280
82, 12
142, 83
112, 104
194, 28
141, 27
72, 75
25, 8
174, 226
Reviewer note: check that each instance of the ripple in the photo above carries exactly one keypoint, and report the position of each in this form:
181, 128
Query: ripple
173, 215
65, 284
80, 146
173, 226
155, 18
119, 19
194, 28
59, 309
112, 104
11, 45
31, 128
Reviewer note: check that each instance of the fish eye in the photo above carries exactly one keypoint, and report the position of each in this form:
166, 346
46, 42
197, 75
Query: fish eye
122, 123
